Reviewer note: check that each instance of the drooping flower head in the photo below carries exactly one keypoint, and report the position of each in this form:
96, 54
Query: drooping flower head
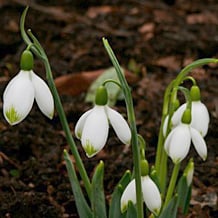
93, 126
150, 192
200, 115
177, 143
21, 91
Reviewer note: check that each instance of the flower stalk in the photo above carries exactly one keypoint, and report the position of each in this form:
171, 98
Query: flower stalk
37, 49
132, 123
161, 157
172, 184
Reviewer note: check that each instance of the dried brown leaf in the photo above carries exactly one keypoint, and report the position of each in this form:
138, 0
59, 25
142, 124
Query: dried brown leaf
76, 83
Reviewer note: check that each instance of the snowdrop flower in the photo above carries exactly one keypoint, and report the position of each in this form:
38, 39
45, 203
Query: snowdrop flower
93, 126
200, 115
151, 195
177, 143
21, 91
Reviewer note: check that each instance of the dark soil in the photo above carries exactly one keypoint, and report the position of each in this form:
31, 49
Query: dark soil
160, 37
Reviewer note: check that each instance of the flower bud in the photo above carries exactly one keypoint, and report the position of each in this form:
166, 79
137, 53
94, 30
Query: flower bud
26, 61
195, 93
101, 96
186, 117
144, 168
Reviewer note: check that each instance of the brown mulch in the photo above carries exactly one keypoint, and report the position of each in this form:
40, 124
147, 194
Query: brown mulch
153, 40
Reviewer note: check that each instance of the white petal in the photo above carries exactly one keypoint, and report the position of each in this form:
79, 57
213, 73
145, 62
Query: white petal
177, 116
119, 125
95, 131
129, 194
18, 98
200, 117
151, 195
179, 143
80, 124
167, 142
199, 143
43, 96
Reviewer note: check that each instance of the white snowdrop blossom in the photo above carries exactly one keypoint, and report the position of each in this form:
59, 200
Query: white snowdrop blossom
93, 126
19, 96
151, 195
177, 143
200, 116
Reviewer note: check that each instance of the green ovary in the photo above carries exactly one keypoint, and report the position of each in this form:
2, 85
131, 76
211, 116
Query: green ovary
89, 149
12, 115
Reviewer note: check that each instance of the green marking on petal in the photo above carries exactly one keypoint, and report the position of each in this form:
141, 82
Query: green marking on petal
124, 208
156, 211
12, 115
89, 149
79, 134
51, 114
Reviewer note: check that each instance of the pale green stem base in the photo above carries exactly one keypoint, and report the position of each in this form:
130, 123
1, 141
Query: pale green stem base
172, 184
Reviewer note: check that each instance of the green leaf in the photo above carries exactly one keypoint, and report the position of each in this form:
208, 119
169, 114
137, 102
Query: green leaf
81, 204
114, 210
131, 211
184, 194
171, 209
97, 194
114, 91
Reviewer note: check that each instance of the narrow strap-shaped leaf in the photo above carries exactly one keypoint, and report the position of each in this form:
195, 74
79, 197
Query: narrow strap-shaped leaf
131, 211
81, 204
97, 193
171, 209
184, 194
115, 210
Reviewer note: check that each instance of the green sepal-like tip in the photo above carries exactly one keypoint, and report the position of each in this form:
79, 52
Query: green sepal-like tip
101, 96
90, 150
195, 93
144, 168
186, 117
26, 60
176, 104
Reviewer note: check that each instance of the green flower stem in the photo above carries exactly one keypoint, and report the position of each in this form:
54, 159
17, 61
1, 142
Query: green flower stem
66, 129
132, 123
172, 184
181, 76
38, 50
161, 156
111, 81
162, 175
165, 111
186, 93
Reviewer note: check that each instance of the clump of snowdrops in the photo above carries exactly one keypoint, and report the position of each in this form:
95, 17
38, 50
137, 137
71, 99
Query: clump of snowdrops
182, 125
